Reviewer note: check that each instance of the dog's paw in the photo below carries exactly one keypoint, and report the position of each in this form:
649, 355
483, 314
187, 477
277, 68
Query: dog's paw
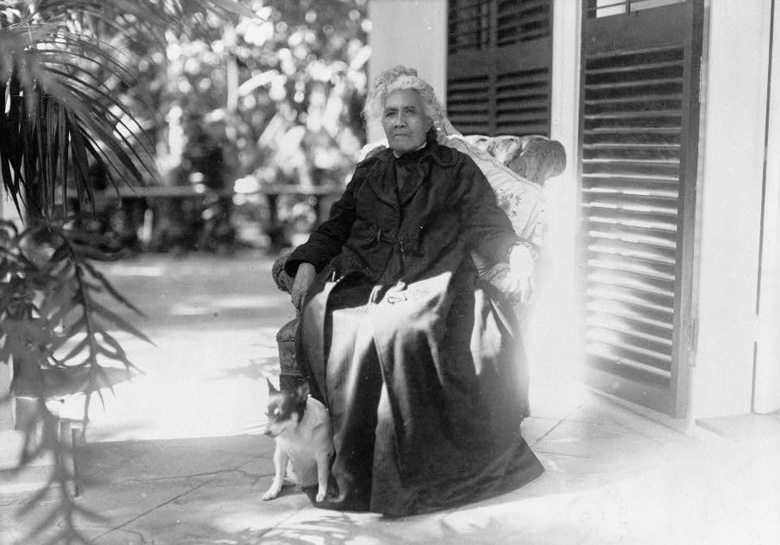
320, 496
272, 493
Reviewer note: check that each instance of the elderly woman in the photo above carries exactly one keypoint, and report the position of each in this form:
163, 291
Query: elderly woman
415, 357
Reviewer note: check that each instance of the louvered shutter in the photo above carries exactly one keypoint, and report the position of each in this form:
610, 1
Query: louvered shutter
498, 69
638, 148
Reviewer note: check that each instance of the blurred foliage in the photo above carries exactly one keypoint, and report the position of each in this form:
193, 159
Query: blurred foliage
280, 93
256, 101
71, 94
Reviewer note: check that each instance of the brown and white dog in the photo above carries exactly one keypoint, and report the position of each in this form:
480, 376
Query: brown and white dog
300, 426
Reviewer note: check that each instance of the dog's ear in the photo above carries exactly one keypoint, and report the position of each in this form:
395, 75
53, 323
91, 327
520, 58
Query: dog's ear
303, 391
271, 389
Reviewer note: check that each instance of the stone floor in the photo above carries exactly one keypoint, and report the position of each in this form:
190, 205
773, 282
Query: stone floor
175, 456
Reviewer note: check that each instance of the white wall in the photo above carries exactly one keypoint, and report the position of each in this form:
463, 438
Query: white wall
554, 338
412, 33
731, 174
768, 356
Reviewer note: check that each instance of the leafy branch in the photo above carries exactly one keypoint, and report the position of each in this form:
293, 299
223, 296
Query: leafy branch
58, 331
66, 80
70, 103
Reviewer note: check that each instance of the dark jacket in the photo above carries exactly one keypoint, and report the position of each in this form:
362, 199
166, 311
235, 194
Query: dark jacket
445, 207
452, 399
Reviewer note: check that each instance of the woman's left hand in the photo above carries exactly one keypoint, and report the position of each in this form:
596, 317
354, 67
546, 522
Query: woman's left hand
521, 268
303, 280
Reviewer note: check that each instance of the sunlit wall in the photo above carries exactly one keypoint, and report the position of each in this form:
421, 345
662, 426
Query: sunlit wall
412, 33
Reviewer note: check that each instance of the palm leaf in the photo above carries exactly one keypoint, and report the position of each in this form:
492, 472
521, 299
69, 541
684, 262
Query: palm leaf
110, 288
64, 67
115, 319
66, 88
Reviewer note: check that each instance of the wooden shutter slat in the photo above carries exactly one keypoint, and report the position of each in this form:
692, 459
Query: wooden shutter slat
633, 238
633, 69
628, 330
508, 108
522, 117
632, 370
653, 114
532, 99
633, 163
522, 101
662, 306
510, 71
620, 132
633, 340
510, 6
660, 146
620, 207
521, 90
522, 21
650, 265
644, 318
609, 252
637, 171
640, 194
638, 100
468, 85
468, 25
658, 336
631, 222
629, 363
465, 106
605, 162
602, 342
621, 347
629, 280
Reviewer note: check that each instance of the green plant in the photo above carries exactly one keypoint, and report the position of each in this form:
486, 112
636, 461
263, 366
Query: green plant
59, 331
68, 74
71, 101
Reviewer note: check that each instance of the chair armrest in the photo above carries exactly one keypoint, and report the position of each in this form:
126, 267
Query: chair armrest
534, 157
539, 159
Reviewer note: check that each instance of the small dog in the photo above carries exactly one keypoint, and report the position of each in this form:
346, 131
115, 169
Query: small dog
300, 425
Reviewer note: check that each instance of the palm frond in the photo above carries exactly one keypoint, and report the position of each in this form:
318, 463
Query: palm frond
58, 324
65, 69
68, 69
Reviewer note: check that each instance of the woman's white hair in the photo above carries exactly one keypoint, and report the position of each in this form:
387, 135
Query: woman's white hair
397, 79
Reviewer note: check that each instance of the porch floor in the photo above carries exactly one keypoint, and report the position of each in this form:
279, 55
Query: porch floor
175, 457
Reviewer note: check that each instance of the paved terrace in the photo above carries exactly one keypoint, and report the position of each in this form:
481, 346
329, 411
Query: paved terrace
175, 457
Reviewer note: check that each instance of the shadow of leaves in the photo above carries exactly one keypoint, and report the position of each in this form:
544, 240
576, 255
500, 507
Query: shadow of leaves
256, 369
328, 530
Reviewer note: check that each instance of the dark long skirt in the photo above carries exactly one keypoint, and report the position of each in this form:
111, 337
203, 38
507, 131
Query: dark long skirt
426, 414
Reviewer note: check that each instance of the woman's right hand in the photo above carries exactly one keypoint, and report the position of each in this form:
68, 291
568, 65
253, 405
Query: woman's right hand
303, 280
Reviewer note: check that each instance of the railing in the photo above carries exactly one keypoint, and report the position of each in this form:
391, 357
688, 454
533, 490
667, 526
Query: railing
199, 214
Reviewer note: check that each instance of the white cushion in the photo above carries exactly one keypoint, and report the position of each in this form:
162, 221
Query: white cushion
519, 198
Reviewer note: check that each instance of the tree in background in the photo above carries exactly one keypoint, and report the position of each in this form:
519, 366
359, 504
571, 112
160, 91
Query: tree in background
297, 64
279, 94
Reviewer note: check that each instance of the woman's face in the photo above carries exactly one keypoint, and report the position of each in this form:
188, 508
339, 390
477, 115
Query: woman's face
405, 121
